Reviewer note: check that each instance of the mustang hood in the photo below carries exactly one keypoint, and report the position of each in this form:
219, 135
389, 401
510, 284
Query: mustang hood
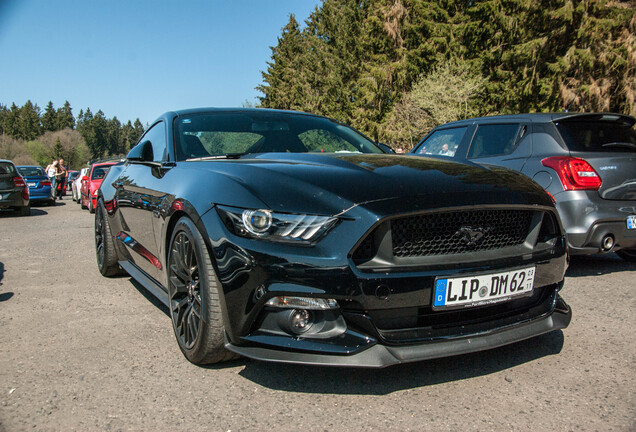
333, 184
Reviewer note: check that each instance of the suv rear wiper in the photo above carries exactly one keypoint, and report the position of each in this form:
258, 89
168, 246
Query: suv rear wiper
620, 144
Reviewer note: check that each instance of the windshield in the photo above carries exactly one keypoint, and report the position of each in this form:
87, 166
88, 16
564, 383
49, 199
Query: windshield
29, 171
598, 136
217, 134
99, 172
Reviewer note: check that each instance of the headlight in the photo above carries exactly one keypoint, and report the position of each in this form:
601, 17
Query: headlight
280, 227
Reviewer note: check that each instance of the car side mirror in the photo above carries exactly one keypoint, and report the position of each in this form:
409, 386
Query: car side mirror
386, 148
85, 178
141, 152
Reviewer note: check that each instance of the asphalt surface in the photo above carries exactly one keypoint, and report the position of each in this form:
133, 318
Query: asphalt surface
82, 352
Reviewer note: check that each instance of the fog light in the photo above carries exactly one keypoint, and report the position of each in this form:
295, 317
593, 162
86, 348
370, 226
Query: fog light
292, 302
300, 321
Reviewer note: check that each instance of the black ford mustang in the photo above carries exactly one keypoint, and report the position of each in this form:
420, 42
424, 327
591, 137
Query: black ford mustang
290, 237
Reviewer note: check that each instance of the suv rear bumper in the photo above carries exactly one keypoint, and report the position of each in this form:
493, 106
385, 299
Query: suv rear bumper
588, 220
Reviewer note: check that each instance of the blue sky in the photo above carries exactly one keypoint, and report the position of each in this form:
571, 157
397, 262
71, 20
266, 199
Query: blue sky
139, 58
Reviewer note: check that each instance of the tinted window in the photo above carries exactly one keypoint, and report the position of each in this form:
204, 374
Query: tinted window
6, 168
99, 172
442, 142
157, 136
493, 140
31, 171
597, 136
215, 134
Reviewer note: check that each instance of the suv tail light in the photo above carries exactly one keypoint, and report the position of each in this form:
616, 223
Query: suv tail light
574, 173
18, 181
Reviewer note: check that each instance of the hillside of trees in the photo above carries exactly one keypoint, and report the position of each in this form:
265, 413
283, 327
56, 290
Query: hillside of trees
396, 68
29, 135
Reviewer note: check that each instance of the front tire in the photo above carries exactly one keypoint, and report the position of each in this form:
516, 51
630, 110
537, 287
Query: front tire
193, 289
90, 205
104, 245
628, 255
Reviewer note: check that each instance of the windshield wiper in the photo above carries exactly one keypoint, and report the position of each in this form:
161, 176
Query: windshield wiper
223, 156
620, 144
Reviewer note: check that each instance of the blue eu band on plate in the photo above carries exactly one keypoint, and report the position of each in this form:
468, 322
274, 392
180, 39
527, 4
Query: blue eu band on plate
483, 289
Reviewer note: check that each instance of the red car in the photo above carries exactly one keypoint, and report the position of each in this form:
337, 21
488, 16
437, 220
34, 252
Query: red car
92, 182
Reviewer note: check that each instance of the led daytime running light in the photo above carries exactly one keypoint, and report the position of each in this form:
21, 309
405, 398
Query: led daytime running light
292, 302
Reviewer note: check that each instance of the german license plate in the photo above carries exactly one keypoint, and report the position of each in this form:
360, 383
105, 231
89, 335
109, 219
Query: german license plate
631, 222
31, 184
485, 289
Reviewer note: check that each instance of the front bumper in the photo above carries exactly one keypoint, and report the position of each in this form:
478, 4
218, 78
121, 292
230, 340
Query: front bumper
379, 356
388, 314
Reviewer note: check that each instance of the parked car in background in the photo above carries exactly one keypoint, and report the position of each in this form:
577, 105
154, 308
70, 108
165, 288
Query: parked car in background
587, 162
290, 237
14, 192
40, 190
70, 177
92, 183
76, 185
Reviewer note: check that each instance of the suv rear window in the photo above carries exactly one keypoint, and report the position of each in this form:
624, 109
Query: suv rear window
598, 136
6, 168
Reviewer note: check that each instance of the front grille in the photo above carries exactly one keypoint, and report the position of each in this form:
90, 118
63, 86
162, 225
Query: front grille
459, 232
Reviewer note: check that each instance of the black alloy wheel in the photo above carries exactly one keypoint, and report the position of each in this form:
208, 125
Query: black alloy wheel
104, 246
194, 298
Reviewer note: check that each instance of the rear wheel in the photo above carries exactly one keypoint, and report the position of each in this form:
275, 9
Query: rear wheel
194, 297
82, 204
627, 254
104, 246
90, 205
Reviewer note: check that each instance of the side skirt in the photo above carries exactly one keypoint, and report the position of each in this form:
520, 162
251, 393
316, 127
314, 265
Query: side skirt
149, 283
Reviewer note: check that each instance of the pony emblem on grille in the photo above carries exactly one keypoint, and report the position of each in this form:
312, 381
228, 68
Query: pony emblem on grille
472, 236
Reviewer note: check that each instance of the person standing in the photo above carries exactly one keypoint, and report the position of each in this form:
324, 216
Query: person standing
51, 173
61, 178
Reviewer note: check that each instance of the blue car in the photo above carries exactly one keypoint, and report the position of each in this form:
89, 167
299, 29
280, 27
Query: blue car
39, 184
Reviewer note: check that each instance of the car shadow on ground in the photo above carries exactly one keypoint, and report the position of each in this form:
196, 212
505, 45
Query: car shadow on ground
327, 380
592, 265
11, 213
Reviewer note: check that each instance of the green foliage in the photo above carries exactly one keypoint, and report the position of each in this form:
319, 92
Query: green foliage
364, 62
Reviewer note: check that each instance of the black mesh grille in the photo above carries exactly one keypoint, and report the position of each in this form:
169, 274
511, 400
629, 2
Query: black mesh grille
459, 232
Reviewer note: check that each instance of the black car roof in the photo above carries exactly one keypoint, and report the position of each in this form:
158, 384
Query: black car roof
544, 118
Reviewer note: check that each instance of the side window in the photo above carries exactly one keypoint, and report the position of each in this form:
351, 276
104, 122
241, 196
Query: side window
157, 136
494, 140
442, 142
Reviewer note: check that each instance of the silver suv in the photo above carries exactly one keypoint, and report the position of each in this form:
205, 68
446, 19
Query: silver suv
587, 162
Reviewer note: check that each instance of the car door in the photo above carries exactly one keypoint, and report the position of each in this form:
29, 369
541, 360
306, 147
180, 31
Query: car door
139, 197
507, 144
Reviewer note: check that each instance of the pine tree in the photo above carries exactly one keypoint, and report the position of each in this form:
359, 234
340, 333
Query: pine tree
49, 118
29, 126
284, 89
65, 117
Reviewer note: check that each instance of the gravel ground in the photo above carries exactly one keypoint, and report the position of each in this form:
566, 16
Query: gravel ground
82, 352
